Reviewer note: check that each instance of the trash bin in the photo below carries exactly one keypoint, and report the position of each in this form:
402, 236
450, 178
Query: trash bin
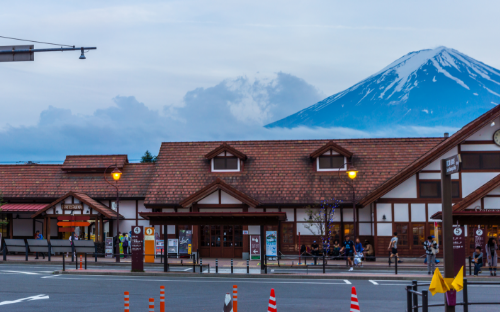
246, 256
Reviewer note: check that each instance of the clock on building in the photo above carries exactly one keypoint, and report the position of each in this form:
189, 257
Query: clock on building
496, 137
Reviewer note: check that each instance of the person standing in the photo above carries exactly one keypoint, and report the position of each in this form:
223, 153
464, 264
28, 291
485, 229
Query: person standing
431, 249
393, 247
358, 248
348, 246
125, 245
315, 251
39, 236
477, 258
491, 253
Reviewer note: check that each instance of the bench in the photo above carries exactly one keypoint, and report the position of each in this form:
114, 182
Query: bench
39, 245
14, 245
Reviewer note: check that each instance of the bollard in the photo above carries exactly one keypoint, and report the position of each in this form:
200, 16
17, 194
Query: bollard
151, 305
64, 263
165, 264
95, 256
235, 298
231, 266
409, 304
248, 266
81, 262
201, 266
324, 268
76, 263
216, 265
50, 251
162, 298
194, 265
396, 265
85, 261
161, 255
425, 301
415, 296
126, 304
466, 296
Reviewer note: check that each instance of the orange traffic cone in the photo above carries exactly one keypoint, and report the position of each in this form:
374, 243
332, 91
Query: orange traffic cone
354, 300
272, 302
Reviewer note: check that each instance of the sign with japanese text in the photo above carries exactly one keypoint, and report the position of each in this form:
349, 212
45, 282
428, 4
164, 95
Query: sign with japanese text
137, 248
254, 247
72, 206
160, 246
185, 239
452, 164
108, 248
149, 244
480, 239
272, 243
458, 248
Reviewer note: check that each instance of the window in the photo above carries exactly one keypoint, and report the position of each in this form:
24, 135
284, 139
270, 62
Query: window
402, 230
238, 236
287, 233
226, 162
432, 189
205, 235
330, 161
418, 234
478, 161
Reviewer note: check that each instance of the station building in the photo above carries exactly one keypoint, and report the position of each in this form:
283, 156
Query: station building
224, 191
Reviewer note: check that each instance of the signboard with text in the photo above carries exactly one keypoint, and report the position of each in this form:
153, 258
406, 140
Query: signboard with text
254, 247
453, 164
72, 206
108, 249
272, 243
149, 244
137, 248
185, 239
160, 246
458, 248
480, 239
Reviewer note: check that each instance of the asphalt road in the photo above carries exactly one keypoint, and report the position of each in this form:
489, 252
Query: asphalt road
34, 288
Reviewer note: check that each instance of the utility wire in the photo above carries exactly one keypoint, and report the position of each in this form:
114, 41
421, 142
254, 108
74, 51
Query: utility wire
65, 45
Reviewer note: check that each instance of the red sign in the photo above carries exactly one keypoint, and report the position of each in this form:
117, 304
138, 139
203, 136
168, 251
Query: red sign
255, 247
458, 247
137, 247
480, 239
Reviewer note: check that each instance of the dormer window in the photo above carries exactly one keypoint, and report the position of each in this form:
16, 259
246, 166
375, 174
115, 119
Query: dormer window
226, 162
330, 161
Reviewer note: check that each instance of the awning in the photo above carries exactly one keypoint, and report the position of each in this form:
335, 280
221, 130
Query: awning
482, 216
22, 207
214, 218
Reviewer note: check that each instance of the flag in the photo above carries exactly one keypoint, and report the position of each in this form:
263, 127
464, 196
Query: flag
438, 285
458, 282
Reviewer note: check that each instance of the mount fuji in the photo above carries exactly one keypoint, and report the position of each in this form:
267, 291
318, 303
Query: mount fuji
435, 87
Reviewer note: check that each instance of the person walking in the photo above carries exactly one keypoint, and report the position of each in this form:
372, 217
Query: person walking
431, 249
393, 247
477, 259
358, 258
39, 236
348, 246
491, 253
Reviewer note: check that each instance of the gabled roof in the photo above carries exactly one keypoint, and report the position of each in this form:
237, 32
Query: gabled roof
331, 146
84, 198
218, 184
432, 155
22, 207
473, 197
93, 163
224, 147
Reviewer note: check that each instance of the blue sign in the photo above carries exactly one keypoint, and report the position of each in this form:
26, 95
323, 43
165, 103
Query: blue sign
272, 243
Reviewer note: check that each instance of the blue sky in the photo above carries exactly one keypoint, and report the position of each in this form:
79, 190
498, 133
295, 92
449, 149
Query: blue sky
208, 70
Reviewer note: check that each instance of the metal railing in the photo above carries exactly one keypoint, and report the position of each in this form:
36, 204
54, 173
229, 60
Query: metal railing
412, 295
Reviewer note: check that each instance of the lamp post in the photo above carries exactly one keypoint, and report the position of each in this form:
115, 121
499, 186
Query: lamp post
116, 175
352, 174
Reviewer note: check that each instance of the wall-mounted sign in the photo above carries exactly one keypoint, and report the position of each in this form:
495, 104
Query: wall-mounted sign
245, 232
137, 247
452, 164
72, 206
173, 246
108, 247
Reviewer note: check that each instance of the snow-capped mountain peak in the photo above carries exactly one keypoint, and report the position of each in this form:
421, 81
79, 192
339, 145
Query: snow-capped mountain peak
441, 82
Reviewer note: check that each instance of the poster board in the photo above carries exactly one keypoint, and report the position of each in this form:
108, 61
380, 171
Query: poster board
255, 251
160, 245
137, 248
108, 249
173, 246
185, 239
149, 244
271, 243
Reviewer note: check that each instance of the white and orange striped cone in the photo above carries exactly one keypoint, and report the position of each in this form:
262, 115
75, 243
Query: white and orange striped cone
235, 298
151, 305
228, 304
272, 302
126, 303
354, 300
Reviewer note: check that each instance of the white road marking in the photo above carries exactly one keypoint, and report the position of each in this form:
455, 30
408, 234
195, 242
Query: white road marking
21, 272
39, 297
347, 282
51, 276
373, 282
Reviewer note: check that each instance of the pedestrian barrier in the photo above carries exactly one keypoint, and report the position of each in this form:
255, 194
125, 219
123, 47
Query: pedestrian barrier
228, 304
14, 245
235, 298
126, 301
162, 298
272, 302
151, 305
354, 300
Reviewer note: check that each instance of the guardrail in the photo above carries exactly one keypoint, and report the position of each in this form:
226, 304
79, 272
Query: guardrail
412, 295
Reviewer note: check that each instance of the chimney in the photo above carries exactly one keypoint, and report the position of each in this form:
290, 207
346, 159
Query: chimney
446, 135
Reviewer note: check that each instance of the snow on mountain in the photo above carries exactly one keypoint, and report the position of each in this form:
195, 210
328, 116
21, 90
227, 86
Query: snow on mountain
437, 87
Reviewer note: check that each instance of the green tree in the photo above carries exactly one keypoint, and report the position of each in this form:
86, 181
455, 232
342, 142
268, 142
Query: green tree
5, 221
148, 158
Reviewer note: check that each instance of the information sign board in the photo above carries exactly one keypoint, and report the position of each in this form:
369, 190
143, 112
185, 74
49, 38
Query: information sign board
255, 247
108, 249
160, 245
453, 164
137, 248
173, 246
480, 239
458, 247
185, 238
149, 244
272, 243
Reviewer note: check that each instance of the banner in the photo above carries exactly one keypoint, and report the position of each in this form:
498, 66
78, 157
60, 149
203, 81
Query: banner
254, 247
185, 238
272, 243
108, 249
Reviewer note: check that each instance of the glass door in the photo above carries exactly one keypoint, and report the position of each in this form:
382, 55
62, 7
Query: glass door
215, 241
418, 238
227, 239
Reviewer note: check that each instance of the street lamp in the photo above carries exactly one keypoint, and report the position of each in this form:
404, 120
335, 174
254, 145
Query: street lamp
116, 175
352, 174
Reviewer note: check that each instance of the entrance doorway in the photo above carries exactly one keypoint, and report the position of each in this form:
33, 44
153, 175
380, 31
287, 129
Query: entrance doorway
221, 241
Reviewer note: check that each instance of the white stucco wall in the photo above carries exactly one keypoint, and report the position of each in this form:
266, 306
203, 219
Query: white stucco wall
348, 217
365, 214
473, 180
486, 133
228, 199
401, 213
479, 147
23, 227
418, 212
384, 209
476, 204
432, 209
289, 214
365, 229
407, 189
436, 165
127, 209
211, 199
384, 229
492, 203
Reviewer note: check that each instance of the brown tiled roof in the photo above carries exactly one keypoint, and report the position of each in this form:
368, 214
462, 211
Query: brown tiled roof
22, 207
218, 184
432, 155
93, 163
474, 196
50, 182
280, 172
331, 146
224, 147
107, 212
